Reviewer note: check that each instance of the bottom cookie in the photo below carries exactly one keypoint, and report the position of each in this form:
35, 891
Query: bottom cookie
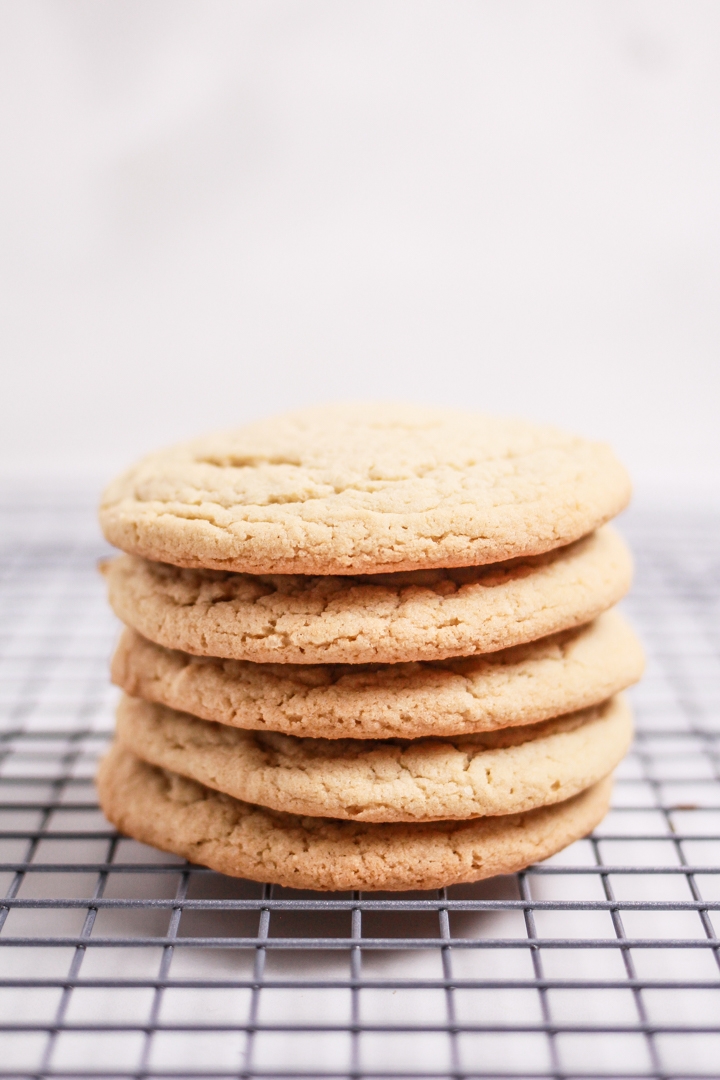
184, 817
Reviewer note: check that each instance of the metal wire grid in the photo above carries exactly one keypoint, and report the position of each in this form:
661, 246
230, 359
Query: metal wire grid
117, 960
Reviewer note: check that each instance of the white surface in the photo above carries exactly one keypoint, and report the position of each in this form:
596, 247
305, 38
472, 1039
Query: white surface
212, 211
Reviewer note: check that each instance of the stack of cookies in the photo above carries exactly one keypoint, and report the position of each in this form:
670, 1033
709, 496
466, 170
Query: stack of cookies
368, 647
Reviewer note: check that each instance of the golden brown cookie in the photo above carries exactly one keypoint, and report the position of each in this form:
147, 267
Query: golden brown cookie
233, 837
526, 683
497, 772
424, 615
346, 489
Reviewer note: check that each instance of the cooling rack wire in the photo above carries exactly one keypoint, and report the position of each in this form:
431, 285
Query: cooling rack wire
117, 960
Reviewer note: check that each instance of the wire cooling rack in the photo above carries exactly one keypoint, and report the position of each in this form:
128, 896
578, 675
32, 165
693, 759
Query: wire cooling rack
117, 960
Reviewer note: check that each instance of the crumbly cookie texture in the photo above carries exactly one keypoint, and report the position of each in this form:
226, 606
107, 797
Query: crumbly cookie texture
561, 673
497, 772
236, 838
364, 488
422, 615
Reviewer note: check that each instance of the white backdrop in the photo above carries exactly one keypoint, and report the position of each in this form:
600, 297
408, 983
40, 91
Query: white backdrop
215, 210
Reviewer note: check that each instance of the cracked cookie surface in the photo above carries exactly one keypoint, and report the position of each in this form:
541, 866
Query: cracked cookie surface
188, 819
384, 618
507, 771
364, 488
561, 673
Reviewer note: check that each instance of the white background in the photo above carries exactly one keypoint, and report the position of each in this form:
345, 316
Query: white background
212, 211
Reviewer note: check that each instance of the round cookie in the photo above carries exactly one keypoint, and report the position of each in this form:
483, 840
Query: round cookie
346, 489
526, 683
497, 772
422, 615
233, 837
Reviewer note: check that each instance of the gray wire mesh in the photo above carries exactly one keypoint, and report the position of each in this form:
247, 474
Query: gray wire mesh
117, 960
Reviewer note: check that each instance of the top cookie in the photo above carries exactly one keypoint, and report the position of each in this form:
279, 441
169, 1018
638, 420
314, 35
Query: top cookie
347, 489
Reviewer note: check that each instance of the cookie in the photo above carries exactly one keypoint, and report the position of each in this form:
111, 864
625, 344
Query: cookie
557, 674
422, 615
496, 772
236, 838
350, 489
